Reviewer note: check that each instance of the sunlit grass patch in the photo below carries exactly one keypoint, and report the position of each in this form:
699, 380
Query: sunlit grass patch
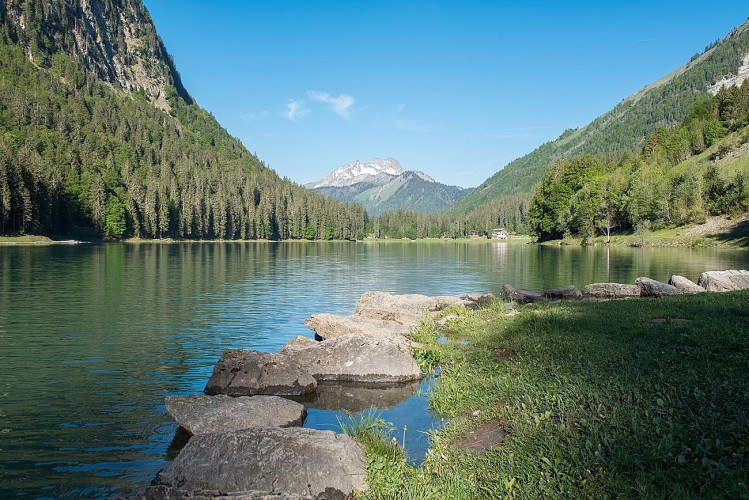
645, 397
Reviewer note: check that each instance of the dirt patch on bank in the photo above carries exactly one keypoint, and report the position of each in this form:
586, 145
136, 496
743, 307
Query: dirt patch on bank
718, 225
488, 435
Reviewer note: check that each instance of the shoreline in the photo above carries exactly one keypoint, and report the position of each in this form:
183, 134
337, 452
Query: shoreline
582, 407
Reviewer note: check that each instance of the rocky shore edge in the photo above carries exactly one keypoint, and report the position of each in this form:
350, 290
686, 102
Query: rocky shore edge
246, 436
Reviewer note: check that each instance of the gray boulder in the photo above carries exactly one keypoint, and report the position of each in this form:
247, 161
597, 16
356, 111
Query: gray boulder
522, 296
475, 301
724, 281
358, 358
408, 310
611, 291
653, 288
199, 414
328, 326
297, 342
564, 292
251, 373
684, 285
294, 461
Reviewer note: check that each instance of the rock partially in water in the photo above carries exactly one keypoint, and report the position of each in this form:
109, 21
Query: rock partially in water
297, 342
356, 397
522, 296
408, 310
199, 414
250, 373
569, 292
653, 288
328, 326
358, 358
724, 281
293, 461
685, 285
611, 291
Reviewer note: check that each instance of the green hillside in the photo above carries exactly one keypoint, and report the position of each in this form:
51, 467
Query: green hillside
682, 175
98, 137
624, 128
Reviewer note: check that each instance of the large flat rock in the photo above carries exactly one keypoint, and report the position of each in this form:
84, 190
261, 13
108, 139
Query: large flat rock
294, 461
569, 292
522, 296
251, 373
199, 414
357, 357
685, 286
724, 281
409, 309
611, 291
328, 326
654, 288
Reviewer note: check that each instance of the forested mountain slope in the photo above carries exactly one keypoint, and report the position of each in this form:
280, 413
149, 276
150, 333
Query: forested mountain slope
624, 128
98, 136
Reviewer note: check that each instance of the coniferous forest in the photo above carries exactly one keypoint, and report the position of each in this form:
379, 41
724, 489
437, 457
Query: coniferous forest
88, 149
78, 156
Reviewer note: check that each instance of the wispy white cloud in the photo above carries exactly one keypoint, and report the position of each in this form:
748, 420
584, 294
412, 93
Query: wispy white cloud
394, 117
295, 109
407, 124
341, 104
250, 116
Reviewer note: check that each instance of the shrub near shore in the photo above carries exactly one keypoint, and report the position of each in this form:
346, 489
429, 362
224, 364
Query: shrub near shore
627, 398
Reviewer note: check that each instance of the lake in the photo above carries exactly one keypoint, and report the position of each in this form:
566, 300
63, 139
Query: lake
93, 336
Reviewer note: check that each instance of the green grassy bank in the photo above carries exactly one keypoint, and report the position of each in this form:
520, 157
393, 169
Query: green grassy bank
636, 398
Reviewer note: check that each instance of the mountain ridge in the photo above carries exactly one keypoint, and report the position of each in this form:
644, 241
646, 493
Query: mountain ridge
622, 129
99, 138
381, 185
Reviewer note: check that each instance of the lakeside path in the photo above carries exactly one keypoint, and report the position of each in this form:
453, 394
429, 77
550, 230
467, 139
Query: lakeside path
637, 397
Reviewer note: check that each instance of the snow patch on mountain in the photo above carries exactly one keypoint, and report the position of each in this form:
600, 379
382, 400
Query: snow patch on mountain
356, 172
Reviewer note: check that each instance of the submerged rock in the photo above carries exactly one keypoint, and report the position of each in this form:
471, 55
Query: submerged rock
684, 285
724, 281
355, 397
251, 373
199, 414
358, 358
293, 461
653, 288
611, 291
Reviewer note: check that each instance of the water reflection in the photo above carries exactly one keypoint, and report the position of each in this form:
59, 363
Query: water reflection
94, 336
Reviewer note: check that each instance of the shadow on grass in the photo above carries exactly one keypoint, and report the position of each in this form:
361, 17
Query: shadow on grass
618, 404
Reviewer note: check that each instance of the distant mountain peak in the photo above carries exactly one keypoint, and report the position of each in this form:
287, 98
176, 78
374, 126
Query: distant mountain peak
357, 171
421, 175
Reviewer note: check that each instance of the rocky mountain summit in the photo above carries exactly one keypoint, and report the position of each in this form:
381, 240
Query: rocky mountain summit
370, 171
383, 184
115, 40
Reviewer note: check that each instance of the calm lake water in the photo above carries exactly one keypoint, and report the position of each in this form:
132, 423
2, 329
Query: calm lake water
92, 337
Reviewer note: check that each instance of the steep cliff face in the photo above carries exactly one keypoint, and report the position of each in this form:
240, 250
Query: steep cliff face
114, 39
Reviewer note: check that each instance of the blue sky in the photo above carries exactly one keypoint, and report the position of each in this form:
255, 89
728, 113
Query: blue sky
457, 89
